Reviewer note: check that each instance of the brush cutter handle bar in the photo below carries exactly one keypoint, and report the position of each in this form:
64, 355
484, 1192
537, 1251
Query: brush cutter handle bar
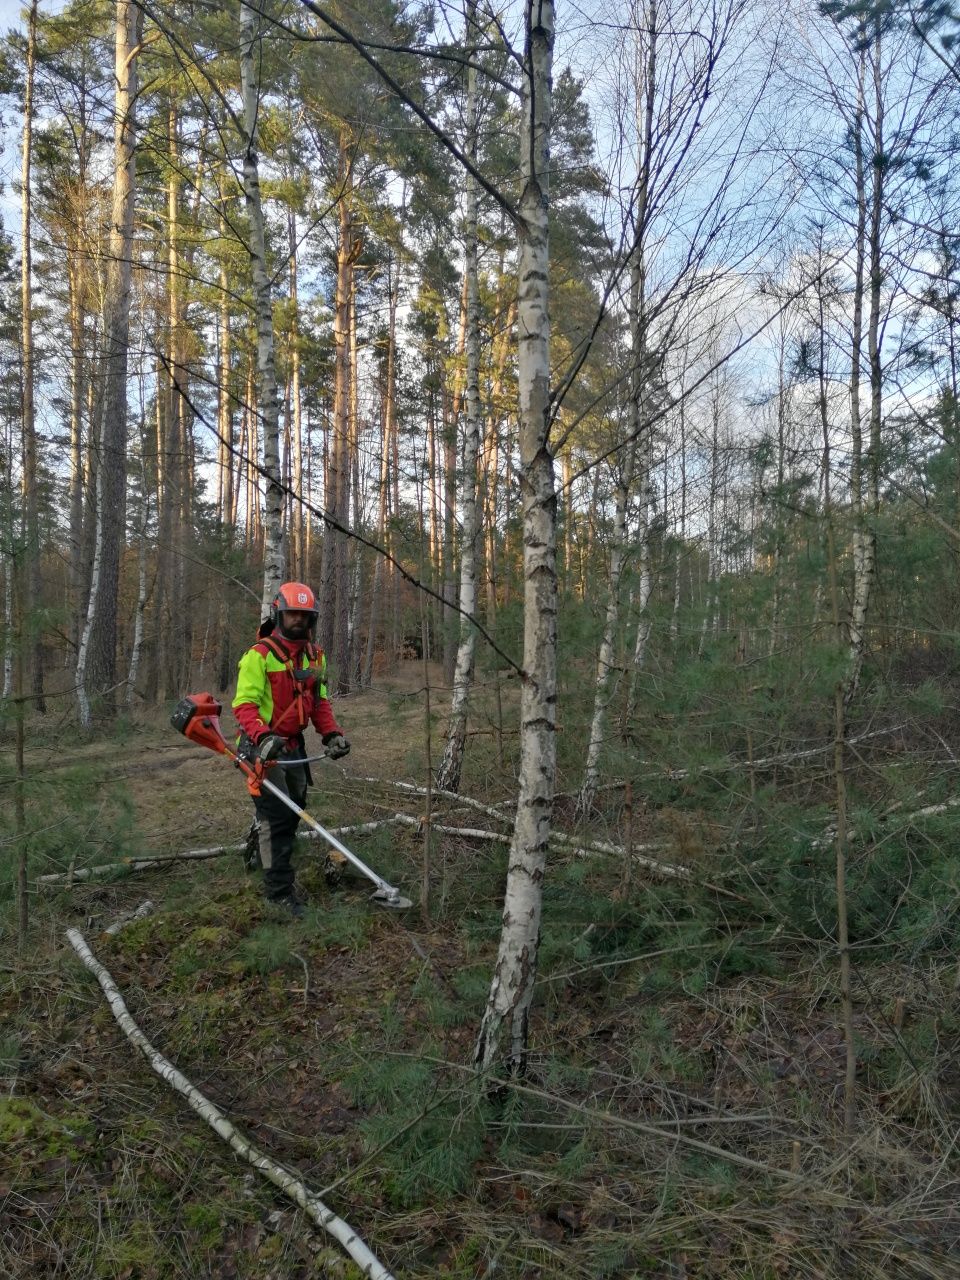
292, 764
361, 866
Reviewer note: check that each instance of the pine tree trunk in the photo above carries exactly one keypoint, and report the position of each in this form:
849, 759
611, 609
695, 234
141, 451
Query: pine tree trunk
389, 427
511, 991
33, 603
226, 515
97, 657
335, 602
7, 563
274, 550
77, 576
451, 764
142, 592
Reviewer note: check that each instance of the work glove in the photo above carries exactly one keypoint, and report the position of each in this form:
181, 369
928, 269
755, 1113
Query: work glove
336, 745
270, 746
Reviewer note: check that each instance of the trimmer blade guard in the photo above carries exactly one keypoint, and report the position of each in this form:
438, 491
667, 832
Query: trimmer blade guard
197, 717
391, 899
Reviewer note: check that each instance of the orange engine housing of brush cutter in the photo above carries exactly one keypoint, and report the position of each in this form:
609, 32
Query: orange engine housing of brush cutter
197, 717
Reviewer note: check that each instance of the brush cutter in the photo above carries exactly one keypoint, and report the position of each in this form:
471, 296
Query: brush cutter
197, 717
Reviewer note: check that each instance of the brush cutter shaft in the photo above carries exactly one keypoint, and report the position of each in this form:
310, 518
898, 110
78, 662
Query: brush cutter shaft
197, 717
330, 839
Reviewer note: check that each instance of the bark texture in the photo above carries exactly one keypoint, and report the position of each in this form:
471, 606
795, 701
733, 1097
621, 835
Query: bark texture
274, 557
97, 654
511, 990
451, 764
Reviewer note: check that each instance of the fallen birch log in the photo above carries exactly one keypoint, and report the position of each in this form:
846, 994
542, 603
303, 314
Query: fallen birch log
896, 813
130, 917
466, 801
672, 871
288, 1183
188, 855
138, 864
765, 762
358, 828
582, 850
466, 833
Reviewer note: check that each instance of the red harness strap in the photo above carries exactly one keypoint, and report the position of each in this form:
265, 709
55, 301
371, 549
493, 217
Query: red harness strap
301, 679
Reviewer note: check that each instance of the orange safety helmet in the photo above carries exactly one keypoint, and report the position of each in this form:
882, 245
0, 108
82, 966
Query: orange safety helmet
297, 598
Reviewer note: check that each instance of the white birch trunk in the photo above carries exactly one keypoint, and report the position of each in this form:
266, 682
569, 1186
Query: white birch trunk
711, 604
287, 1182
273, 540
682, 547
511, 990
861, 578
645, 583
451, 764
644, 96
606, 657
868, 477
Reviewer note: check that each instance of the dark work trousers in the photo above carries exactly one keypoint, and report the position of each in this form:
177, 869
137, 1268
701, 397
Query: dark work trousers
278, 825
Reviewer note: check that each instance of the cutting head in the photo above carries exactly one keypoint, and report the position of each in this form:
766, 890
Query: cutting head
391, 899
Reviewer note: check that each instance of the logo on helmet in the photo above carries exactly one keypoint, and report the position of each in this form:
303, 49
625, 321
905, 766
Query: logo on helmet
303, 598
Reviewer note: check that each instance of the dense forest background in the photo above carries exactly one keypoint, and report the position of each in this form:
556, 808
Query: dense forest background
600, 372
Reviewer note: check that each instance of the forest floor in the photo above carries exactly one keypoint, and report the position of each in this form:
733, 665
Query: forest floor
681, 1113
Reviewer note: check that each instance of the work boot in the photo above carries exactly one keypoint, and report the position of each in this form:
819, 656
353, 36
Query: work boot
290, 904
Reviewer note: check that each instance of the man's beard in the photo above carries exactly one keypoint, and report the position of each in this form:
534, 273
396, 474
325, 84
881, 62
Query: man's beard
300, 631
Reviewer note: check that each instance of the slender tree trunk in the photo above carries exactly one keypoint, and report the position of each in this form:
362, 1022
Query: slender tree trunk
77, 576
682, 541
389, 427
274, 550
606, 657
449, 557
779, 530
8, 564
451, 765
354, 558
33, 603
861, 582
639, 428
713, 568
298, 556
869, 497
335, 602
179, 479
142, 593
511, 990
645, 577
96, 657
225, 400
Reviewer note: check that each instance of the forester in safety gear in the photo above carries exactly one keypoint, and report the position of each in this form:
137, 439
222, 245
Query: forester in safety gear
281, 688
